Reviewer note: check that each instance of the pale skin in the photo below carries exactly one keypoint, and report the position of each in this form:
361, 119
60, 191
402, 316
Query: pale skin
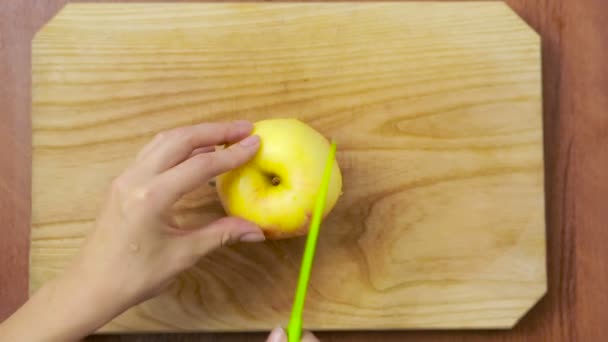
135, 230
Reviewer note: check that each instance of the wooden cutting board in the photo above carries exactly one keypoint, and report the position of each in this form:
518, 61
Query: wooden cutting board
437, 108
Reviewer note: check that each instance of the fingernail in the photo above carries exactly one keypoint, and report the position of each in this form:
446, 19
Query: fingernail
253, 237
277, 335
251, 140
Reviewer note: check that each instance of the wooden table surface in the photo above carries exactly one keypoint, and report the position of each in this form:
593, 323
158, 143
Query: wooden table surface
575, 90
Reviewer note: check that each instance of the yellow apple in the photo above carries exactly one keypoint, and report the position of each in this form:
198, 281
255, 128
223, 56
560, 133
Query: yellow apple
277, 189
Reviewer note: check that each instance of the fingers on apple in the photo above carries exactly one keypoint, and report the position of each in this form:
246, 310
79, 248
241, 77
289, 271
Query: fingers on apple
231, 157
197, 171
169, 148
222, 232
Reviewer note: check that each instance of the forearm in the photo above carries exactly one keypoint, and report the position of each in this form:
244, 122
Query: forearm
65, 309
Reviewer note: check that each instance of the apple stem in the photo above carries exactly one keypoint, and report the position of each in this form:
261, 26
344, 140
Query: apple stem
275, 181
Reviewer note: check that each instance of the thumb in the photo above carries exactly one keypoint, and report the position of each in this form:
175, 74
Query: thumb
225, 231
277, 335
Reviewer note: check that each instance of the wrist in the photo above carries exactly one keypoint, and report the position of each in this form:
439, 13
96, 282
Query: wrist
93, 293
67, 308
77, 304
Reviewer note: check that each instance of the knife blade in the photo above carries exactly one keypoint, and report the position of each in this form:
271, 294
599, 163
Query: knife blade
294, 330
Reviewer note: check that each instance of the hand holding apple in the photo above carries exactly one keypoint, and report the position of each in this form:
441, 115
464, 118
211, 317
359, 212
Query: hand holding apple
135, 231
278, 187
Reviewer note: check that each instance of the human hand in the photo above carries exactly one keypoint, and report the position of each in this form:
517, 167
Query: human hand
279, 335
136, 248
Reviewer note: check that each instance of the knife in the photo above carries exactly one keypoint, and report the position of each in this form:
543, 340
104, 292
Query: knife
294, 330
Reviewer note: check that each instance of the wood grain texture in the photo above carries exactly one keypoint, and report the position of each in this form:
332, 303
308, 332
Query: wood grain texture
574, 48
437, 107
